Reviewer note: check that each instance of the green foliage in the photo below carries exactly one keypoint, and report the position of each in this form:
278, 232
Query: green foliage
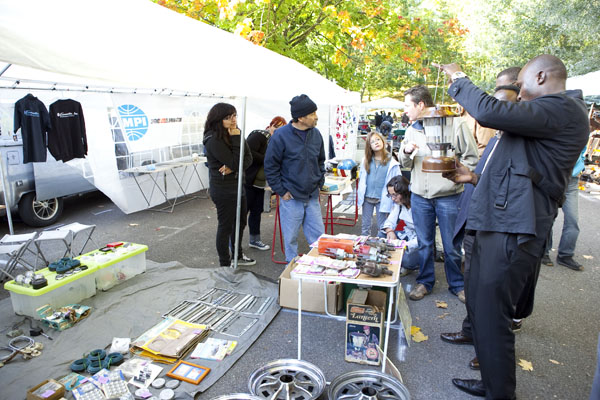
363, 45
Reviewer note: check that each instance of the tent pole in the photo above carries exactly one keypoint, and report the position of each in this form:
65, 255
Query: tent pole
238, 211
4, 69
6, 203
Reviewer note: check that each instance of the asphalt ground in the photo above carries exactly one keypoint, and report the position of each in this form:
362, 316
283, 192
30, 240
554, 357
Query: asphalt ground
559, 339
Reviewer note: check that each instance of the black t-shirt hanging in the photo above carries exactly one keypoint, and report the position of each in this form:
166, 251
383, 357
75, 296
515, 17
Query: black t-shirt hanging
32, 117
67, 139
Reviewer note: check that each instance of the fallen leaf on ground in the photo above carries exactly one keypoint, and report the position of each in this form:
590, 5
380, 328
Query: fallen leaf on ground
525, 365
441, 304
414, 329
443, 315
588, 257
554, 362
133, 224
419, 337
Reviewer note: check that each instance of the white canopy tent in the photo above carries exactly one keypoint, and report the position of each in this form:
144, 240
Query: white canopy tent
137, 43
112, 51
386, 102
588, 83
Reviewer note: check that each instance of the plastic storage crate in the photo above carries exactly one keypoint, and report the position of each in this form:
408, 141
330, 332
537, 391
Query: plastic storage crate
116, 266
71, 289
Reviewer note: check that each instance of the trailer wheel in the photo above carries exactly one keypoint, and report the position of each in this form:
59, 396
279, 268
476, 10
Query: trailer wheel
39, 213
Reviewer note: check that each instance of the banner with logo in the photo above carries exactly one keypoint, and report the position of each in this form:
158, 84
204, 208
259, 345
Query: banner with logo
149, 122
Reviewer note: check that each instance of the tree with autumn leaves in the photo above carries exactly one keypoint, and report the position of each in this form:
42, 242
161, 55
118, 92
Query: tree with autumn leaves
370, 46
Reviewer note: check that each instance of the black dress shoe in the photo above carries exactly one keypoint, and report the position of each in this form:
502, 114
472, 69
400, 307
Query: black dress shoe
474, 364
456, 338
472, 386
569, 262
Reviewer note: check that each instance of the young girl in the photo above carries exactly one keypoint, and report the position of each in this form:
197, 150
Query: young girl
398, 190
377, 168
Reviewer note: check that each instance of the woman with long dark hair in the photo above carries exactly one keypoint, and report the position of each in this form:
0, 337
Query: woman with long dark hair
222, 140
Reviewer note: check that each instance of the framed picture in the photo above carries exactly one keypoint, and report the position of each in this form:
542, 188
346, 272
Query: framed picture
188, 372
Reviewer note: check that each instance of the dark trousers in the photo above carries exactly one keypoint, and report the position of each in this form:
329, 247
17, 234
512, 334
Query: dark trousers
501, 277
256, 199
468, 248
226, 212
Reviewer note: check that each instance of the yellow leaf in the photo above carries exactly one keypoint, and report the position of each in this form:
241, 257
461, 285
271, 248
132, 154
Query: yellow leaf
419, 337
414, 329
554, 362
443, 315
441, 304
525, 365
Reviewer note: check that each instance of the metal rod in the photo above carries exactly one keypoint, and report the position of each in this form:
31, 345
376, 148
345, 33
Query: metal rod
236, 250
6, 197
4, 69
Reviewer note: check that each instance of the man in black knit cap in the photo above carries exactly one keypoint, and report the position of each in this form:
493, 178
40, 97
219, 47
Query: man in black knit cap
295, 170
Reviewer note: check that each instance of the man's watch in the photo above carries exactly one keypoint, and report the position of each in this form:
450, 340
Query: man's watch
458, 75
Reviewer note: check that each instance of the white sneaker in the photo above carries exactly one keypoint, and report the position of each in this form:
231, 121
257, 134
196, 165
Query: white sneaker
245, 260
259, 245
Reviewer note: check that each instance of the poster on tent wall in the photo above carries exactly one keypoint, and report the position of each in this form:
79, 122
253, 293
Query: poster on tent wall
345, 128
149, 122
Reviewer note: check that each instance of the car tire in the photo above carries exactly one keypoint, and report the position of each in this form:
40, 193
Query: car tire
39, 213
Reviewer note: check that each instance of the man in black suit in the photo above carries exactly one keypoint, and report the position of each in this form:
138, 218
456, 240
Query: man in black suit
514, 204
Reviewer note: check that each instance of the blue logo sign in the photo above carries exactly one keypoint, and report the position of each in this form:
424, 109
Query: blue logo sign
134, 120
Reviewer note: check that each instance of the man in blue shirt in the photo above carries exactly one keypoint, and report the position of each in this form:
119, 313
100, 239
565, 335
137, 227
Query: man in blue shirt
295, 170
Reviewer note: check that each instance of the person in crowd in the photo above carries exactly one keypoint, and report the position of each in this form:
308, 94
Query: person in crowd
295, 170
378, 119
570, 229
222, 143
433, 196
505, 80
514, 204
389, 118
398, 190
465, 336
256, 182
386, 129
377, 167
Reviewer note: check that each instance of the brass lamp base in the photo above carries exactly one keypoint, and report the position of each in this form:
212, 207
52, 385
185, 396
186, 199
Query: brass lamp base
438, 164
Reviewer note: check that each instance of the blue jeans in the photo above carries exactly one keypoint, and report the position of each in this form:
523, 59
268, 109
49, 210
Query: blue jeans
296, 213
570, 230
424, 213
367, 219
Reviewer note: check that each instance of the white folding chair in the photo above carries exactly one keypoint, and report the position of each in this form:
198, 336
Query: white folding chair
13, 248
65, 237
77, 229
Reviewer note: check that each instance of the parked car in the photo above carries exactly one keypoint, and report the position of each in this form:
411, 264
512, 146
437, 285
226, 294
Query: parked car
37, 208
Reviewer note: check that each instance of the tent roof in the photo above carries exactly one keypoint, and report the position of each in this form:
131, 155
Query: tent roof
137, 43
588, 83
386, 102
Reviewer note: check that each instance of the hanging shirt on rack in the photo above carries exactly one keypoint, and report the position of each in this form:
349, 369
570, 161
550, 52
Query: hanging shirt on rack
32, 117
67, 139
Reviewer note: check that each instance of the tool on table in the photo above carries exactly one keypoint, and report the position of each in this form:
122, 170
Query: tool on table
37, 331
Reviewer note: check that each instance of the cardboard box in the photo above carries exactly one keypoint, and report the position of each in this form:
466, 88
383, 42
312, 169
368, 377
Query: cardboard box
47, 390
364, 326
313, 296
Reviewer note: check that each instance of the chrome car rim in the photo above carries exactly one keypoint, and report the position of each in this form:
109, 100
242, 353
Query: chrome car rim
45, 209
287, 379
237, 396
367, 385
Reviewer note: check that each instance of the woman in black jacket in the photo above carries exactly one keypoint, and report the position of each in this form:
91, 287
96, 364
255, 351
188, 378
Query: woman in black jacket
222, 148
256, 181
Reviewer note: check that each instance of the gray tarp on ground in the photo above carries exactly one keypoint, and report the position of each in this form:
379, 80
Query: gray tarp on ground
128, 310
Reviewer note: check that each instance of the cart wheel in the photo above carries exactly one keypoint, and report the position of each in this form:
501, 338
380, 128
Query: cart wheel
287, 379
39, 213
367, 384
